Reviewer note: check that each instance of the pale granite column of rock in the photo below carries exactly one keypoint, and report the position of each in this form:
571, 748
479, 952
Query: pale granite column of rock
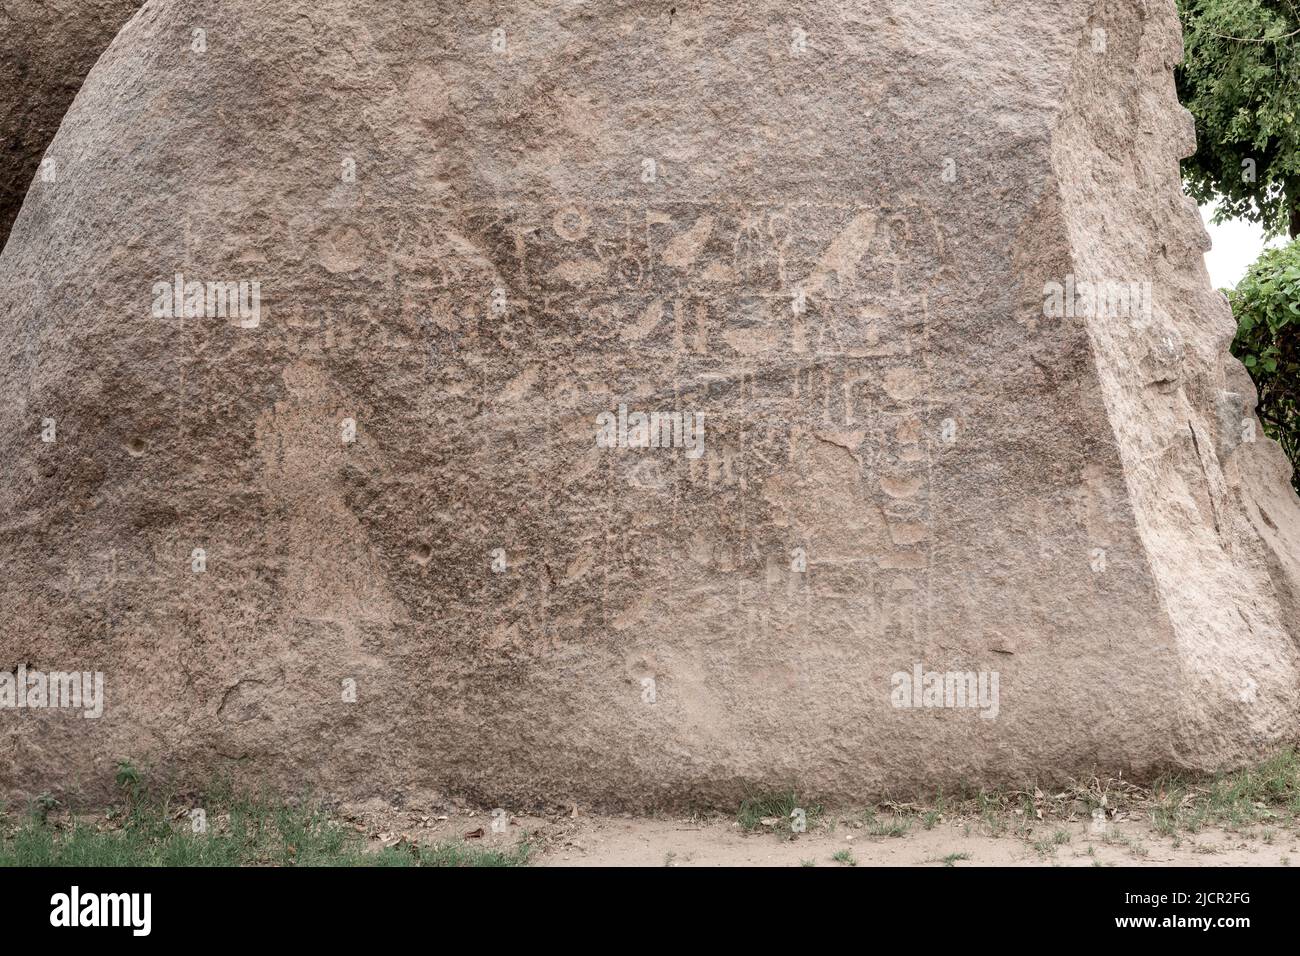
825, 227
1212, 502
46, 49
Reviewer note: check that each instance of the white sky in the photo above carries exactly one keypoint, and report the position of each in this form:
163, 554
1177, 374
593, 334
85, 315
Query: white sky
1237, 244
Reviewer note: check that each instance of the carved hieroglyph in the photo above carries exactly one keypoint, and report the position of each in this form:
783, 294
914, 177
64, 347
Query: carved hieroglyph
635, 404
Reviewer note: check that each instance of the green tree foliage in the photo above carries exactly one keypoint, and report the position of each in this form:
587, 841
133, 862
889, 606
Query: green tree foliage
1240, 78
1267, 306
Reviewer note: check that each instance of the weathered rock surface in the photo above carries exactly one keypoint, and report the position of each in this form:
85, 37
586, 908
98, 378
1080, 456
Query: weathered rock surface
828, 227
46, 49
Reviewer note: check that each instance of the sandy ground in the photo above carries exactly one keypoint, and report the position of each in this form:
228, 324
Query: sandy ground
667, 843
637, 841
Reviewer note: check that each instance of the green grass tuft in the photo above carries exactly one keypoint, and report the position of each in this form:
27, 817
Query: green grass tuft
754, 810
149, 830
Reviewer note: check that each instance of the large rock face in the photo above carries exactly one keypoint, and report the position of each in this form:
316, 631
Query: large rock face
840, 232
46, 49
